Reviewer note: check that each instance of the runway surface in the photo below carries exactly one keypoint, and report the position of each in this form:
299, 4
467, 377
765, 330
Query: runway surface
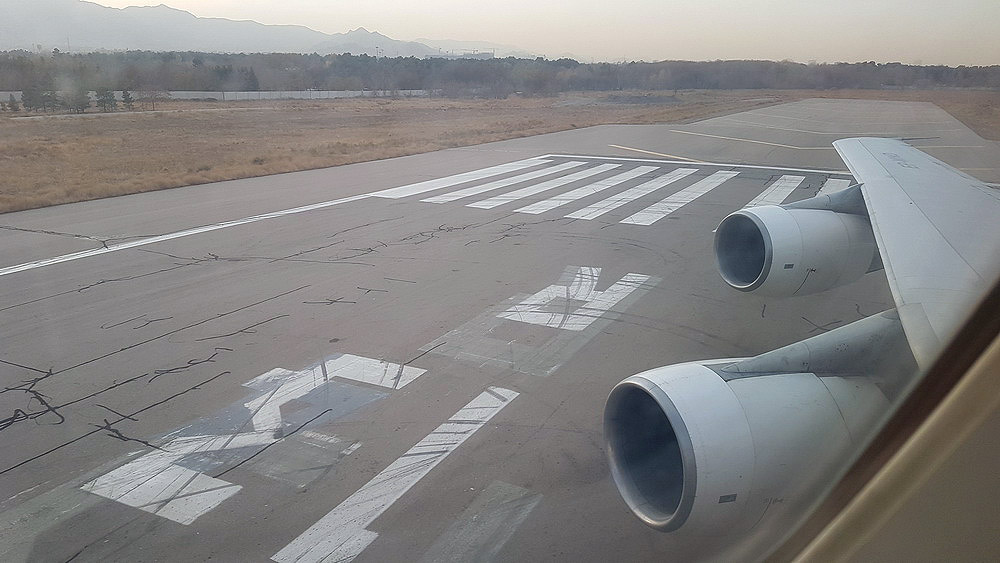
396, 360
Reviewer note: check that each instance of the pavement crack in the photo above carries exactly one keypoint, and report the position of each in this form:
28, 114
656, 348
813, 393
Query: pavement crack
252, 329
103, 242
368, 290
330, 302
109, 424
188, 365
826, 327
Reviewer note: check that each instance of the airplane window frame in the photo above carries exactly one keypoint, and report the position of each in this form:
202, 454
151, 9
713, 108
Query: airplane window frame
979, 331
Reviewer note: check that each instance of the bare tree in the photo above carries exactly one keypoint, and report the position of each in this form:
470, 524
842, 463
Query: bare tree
148, 96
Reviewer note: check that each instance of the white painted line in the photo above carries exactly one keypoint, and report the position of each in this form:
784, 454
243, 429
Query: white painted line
631, 194
475, 190
665, 207
340, 535
350, 449
655, 153
833, 185
538, 188
777, 191
701, 163
374, 372
584, 191
384, 193
267, 407
754, 141
156, 483
438, 183
175, 235
540, 308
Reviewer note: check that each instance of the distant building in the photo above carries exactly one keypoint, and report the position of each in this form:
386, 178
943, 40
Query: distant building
482, 56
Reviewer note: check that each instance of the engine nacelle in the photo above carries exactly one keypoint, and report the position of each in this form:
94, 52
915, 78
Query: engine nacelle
692, 450
782, 252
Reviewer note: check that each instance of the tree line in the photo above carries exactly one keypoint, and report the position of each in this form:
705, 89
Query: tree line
497, 78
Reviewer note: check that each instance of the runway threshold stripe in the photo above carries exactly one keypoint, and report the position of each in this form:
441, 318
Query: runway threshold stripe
538, 188
631, 194
438, 183
584, 191
340, 535
475, 190
833, 185
665, 207
777, 191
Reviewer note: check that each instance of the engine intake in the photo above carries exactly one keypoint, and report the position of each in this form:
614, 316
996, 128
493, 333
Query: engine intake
781, 252
690, 448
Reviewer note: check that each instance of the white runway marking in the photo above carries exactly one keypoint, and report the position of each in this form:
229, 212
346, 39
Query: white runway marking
157, 484
374, 372
833, 185
399, 192
584, 191
438, 183
661, 209
174, 235
631, 194
539, 308
777, 191
538, 188
340, 535
474, 190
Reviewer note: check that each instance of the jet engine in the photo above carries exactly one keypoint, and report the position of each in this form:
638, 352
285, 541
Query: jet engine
690, 448
710, 448
784, 251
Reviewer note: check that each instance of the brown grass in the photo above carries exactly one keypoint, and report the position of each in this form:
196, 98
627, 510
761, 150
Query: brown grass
61, 159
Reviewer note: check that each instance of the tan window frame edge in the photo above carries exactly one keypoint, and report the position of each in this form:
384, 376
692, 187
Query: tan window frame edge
952, 399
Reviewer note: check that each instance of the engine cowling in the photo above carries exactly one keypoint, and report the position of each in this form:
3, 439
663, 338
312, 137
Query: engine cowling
781, 252
690, 450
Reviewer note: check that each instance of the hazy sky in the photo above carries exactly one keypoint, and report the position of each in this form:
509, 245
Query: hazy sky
910, 31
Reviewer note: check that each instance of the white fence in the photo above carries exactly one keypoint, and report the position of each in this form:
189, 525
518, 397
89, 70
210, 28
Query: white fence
273, 95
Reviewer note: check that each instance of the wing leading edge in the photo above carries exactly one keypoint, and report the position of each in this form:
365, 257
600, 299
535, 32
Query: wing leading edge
938, 234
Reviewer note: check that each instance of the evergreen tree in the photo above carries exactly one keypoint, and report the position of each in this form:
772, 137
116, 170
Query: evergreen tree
127, 100
50, 100
249, 82
12, 104
106, 100
31, 98
79, 99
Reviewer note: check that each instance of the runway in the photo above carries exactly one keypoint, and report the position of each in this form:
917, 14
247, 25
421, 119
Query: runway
396, 360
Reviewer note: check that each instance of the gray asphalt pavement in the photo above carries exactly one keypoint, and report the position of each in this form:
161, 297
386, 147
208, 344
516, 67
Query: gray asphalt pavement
216, 372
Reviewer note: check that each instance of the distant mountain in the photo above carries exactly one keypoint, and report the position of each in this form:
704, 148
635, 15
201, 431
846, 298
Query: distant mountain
74, 25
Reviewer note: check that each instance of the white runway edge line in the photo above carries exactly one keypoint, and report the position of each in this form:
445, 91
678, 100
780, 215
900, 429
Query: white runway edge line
665, 207
170, 236
341, 534
614, 202
584, 191
777, 191
544, 186
438, 183
475, 190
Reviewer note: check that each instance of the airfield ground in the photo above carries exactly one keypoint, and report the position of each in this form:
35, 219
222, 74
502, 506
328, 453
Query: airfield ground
53, 159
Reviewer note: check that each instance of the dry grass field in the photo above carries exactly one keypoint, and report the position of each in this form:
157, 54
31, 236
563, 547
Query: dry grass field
48, 160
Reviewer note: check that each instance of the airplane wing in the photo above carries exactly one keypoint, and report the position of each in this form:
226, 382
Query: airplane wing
739, 449
937, 231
